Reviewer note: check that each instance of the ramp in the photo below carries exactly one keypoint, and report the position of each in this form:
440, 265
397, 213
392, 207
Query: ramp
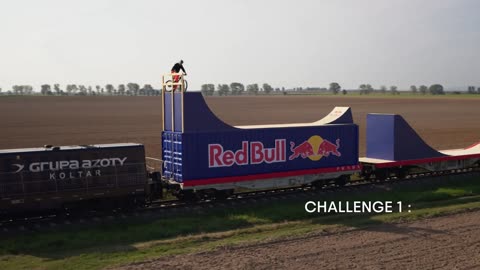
188, 112
390, 137
471, 150
339, 115
199, 149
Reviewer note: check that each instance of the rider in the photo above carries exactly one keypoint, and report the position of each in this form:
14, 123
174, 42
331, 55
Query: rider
176, 69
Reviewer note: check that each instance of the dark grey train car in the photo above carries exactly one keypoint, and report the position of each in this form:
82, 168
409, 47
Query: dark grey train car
66, 176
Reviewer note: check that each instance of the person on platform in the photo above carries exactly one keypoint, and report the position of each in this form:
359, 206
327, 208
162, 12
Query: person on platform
175, 70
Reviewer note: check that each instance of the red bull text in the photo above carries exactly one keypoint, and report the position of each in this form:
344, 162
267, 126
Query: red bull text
255, 152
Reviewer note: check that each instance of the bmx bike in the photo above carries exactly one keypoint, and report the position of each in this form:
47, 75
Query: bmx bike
169, 85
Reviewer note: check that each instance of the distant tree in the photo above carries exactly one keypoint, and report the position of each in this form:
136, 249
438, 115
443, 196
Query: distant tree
109, 88
423, 89
436, 89
89, 90
56, 88
267, 88
133, 88
283, 89
223, 89
147, 89
365, 89
71, 89
362, 88
394, 90
82, 89
414, 89
208, 89
237, 88
344, 91
369, 88
75, 88
28, 89
383, 89
45, 89
334, 88
478, 90
121, 89
22, 89
98, 89
252, 89
17, 90
471, 90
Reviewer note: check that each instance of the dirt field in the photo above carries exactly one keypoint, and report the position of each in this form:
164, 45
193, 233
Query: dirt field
36, 121
451, 242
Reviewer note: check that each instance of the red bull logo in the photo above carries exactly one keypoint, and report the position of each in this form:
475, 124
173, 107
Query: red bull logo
253, 153
250, 153
314, 148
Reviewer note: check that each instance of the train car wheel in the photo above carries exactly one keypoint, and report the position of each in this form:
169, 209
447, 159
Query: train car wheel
187, 196
381, 175
223, 194
342, 180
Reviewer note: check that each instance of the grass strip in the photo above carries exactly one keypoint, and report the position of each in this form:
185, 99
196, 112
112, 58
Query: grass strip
113, 244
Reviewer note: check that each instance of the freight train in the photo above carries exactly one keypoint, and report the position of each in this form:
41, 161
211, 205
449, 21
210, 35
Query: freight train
205, 158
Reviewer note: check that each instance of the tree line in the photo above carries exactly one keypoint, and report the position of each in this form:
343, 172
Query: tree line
129, 89
236, 88
434, 89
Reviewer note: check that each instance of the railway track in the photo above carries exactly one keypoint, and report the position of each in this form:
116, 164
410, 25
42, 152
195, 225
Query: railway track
169, 208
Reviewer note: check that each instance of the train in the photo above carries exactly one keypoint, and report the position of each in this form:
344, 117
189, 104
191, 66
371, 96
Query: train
205, 158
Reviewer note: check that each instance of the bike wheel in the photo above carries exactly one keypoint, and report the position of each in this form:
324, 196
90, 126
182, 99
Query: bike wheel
185, 85
168, 86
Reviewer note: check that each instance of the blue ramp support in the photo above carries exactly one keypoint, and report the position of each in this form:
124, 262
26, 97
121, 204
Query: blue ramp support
390, 137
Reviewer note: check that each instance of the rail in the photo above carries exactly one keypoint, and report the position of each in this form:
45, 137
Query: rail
11, 226
156, 160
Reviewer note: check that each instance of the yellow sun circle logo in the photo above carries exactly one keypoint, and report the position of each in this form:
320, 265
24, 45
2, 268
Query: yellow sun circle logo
315, 141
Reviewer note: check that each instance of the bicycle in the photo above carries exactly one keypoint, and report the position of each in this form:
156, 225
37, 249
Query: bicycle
169, 86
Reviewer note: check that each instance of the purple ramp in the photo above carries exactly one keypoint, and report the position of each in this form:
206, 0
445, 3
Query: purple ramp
390, 137
198, 116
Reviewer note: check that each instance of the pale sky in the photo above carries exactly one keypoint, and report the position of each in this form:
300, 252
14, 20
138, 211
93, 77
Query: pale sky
284, 43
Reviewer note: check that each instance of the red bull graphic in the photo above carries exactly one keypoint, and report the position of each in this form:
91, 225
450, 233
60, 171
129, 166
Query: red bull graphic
326, 148
304, 150
250, 153
314, 148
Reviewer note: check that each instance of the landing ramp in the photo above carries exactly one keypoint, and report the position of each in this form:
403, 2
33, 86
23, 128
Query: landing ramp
339, 115
390, 137
188, 112
471, 150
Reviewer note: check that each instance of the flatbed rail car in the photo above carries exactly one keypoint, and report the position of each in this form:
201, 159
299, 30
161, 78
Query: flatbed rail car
394, 149
63, 177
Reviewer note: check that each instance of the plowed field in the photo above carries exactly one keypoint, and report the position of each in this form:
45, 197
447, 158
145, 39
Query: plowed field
35, 121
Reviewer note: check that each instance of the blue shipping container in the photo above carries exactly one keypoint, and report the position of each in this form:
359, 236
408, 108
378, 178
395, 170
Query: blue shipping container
198, 147
259, 151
